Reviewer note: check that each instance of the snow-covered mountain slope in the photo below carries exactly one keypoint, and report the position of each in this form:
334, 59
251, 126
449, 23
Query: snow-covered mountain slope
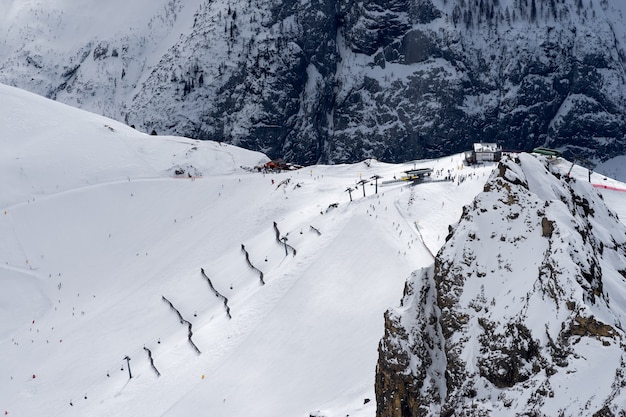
103, 227
46, 152
90, 55
522, 311
335, 81
99, 233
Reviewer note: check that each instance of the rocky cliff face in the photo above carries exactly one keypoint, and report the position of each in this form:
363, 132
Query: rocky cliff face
338, 81
522, 309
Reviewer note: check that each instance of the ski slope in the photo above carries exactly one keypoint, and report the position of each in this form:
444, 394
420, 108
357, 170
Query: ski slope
99, 233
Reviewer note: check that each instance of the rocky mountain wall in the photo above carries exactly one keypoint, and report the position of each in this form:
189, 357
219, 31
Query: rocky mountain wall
341, 81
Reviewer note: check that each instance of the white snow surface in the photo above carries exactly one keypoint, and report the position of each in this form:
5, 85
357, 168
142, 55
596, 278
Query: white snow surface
97, 228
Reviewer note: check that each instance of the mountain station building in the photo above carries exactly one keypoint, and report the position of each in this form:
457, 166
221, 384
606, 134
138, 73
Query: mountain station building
484, 152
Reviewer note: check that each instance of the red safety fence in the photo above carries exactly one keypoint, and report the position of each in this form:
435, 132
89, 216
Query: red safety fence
609, 187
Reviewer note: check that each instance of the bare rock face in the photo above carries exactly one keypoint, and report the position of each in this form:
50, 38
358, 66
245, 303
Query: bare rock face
390, 378
526, 293
409, 356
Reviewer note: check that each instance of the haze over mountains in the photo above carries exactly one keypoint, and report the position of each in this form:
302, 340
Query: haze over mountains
333, 82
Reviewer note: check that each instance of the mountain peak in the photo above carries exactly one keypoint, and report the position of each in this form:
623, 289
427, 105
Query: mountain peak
501, 331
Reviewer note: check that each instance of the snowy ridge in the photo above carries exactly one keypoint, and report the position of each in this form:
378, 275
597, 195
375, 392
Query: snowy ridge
524, 306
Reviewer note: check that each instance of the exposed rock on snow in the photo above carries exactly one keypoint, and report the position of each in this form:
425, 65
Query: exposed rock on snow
520, 311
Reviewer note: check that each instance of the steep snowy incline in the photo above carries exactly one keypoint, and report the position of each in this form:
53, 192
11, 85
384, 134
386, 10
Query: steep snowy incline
100, 234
